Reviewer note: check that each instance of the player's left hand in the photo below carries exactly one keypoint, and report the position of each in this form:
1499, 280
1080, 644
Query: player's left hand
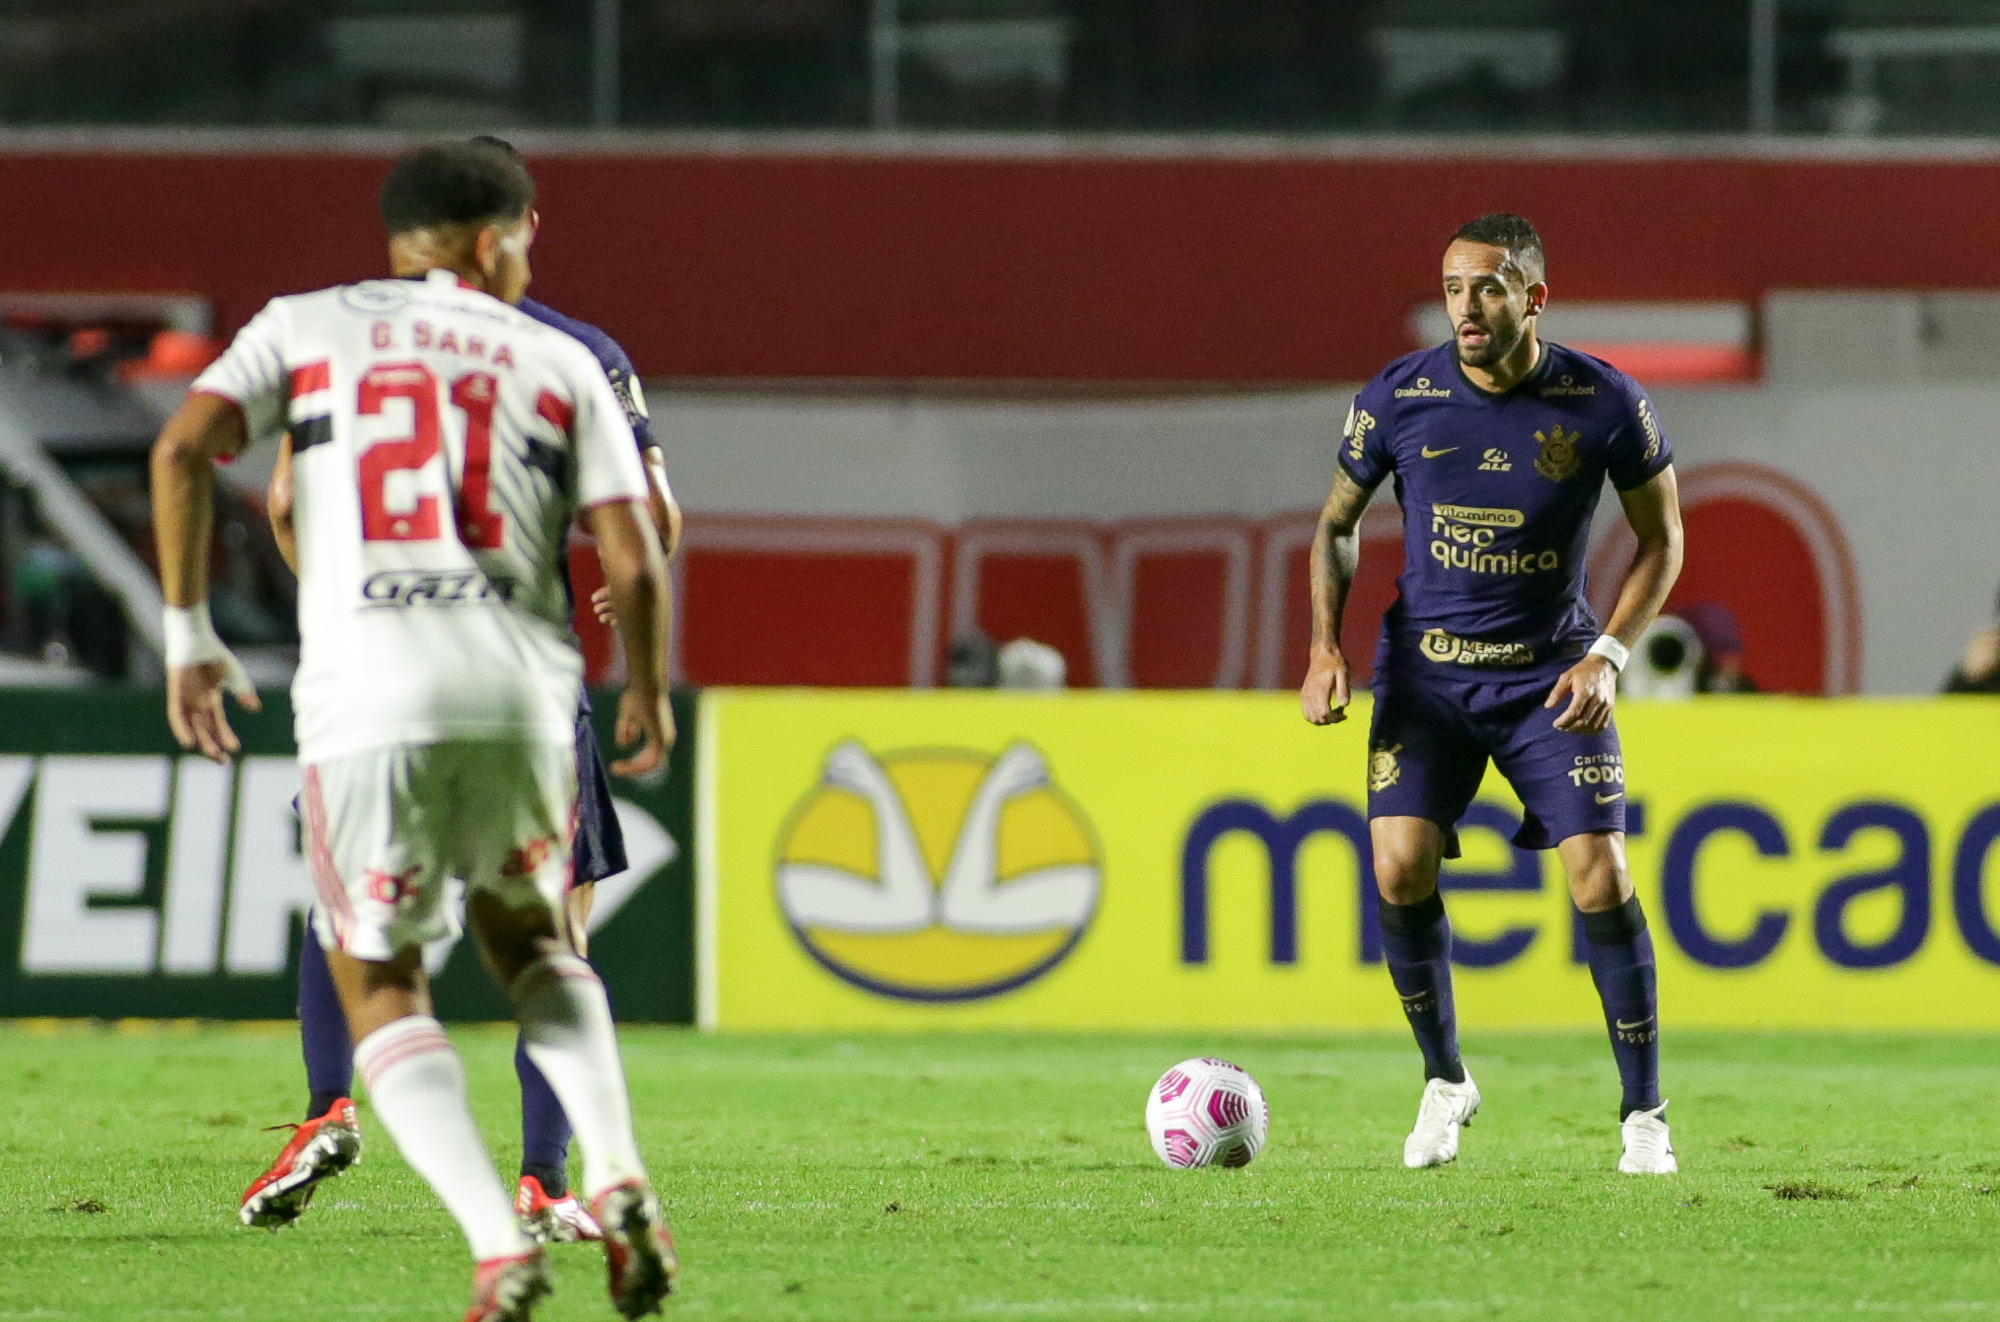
600, 604
194, 705
646, 720
1592, 688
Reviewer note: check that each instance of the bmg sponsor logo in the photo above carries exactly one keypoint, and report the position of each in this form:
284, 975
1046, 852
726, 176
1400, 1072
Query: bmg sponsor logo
1881, 877
938, 874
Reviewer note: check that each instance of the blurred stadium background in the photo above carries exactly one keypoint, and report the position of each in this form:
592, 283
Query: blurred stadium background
1023, 318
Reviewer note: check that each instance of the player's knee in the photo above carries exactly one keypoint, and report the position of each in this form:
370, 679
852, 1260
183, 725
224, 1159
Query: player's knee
513, 936
1404, 875
1599, 882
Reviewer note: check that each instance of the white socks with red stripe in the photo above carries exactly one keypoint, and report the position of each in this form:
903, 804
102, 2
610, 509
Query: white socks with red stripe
566, 1024
417, 1085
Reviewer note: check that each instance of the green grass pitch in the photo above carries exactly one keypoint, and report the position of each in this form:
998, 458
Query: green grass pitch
1009, 1177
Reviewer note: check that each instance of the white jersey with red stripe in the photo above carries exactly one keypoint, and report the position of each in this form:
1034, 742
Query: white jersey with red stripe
442, 442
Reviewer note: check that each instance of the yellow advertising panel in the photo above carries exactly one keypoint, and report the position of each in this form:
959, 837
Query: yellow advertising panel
913, 860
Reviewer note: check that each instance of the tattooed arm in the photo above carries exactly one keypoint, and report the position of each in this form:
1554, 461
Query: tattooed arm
1336, 554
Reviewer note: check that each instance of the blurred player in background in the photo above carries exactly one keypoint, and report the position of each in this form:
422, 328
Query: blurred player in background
1499, 443
443, 442
329, 1140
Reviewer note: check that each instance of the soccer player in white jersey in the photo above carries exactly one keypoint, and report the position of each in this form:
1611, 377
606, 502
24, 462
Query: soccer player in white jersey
443, 442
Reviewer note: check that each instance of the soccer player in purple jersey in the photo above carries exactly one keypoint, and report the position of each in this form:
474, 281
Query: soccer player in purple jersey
329, 1139
1499, 443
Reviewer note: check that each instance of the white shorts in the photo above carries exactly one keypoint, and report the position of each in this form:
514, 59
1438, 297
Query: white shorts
386, 830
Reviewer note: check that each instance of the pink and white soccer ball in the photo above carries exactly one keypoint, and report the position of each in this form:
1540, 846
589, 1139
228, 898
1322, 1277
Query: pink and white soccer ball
1207, 1112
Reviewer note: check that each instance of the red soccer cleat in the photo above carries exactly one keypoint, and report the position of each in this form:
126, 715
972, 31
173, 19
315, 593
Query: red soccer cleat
318, 1149
552, 1220
638, 1248
505, 1289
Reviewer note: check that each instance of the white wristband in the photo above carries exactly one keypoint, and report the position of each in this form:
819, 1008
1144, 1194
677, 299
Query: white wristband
1611, 650
191, 636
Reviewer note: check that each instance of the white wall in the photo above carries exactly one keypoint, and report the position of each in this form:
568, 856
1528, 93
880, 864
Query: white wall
1912, 472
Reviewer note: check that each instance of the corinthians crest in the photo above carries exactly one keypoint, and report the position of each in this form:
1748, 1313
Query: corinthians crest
1383, 768
1558, 458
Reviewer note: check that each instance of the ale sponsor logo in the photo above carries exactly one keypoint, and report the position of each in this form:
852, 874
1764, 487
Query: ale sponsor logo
938, 874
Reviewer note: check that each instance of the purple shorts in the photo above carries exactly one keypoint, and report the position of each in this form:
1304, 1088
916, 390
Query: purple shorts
1433, 732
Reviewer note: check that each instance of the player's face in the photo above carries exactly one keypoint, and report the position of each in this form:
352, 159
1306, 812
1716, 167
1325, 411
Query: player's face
1489, 301
505, 258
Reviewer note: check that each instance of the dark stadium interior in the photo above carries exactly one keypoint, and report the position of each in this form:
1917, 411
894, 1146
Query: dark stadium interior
1289, 66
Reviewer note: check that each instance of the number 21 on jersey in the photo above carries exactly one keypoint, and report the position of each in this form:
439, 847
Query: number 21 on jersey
475, 395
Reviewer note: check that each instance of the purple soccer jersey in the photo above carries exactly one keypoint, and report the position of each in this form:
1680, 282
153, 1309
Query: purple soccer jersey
612, 357
1497, 494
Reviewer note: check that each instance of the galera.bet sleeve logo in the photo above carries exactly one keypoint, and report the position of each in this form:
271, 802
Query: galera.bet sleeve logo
938, 874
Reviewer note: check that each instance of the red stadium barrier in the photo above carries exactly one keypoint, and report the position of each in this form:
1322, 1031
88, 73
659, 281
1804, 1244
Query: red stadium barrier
1767, 547
1285, 265
1182, 592
808, 601
1044, 580
1188, 603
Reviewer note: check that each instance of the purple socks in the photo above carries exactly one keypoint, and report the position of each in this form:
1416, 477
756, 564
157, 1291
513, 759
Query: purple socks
322, 1031
1621, 964
544, 1127
1416, 943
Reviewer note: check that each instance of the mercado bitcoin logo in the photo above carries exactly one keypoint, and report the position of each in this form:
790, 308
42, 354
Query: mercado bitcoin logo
937, 874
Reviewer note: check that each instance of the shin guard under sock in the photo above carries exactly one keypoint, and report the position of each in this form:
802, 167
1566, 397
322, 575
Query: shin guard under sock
1416, 943
1621, 964
417, 1086
567, 1031
545, 1129
323, 1037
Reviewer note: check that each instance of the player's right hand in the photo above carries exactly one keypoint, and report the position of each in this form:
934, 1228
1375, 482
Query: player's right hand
194, 705
645, 719
1324, 696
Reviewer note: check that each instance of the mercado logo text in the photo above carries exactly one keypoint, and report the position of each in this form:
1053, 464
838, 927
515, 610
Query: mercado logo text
1871, 912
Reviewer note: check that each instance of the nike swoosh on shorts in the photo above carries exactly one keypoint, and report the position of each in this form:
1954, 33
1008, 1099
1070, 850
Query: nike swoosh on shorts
1610, 798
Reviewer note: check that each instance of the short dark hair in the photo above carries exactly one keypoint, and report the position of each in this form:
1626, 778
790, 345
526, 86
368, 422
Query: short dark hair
456, 183
1515, 234
497, 143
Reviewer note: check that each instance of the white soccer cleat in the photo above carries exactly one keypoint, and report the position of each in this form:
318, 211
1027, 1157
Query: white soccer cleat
1649, 1149
1445, 1109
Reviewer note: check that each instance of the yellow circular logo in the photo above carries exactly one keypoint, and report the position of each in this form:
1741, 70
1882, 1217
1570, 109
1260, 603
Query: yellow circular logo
938, 874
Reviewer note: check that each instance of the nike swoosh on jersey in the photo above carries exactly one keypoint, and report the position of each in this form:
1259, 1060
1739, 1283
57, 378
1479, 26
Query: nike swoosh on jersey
1610, 798
1429, 453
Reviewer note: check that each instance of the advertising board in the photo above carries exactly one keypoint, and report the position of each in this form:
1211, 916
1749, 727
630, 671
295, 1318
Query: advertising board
136, 880
877, 860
